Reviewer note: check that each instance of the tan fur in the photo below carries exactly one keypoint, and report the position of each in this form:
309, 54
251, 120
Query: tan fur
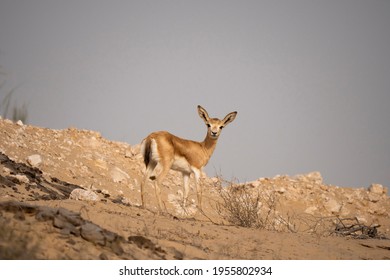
185, 156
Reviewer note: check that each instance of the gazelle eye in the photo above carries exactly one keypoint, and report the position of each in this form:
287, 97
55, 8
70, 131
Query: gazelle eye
208, 125
221, 127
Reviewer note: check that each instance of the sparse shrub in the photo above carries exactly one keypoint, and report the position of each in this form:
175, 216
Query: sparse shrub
243, 206
240, 208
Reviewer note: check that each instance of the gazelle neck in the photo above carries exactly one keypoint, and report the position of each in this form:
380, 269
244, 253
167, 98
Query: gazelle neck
209, 145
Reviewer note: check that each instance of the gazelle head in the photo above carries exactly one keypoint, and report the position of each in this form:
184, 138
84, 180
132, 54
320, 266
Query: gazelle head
214, 125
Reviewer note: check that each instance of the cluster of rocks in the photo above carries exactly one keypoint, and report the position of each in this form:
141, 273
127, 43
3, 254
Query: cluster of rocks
308, 194
72, 225
80, 157
68, 222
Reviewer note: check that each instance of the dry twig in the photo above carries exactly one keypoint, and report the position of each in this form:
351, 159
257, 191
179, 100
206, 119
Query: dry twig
355, 229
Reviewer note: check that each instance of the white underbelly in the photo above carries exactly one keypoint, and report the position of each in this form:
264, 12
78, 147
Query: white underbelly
181, 164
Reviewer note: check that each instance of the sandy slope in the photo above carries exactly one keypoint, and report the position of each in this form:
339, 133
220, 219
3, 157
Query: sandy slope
38, 220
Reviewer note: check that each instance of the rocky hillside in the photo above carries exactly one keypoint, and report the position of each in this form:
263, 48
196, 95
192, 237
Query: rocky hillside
71, 194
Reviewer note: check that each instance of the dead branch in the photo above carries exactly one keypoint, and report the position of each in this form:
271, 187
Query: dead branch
352, 227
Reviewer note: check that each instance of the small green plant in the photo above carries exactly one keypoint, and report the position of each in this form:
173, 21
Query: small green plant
14, 113
18, 112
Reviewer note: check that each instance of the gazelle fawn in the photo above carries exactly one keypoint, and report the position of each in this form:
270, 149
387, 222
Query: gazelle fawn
186, 156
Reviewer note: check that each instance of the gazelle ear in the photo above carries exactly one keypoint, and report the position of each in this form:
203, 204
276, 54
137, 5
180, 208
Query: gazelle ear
203, 114
229, 118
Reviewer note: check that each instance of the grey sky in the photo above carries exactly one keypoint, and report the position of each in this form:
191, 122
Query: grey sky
310, 79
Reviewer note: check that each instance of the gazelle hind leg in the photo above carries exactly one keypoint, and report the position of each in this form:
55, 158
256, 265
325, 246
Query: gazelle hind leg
149, 170
158, 182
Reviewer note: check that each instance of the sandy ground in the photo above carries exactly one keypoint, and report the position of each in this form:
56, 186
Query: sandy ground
39, 220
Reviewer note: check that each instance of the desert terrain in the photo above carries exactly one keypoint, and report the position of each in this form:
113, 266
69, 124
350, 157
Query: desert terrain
72, 194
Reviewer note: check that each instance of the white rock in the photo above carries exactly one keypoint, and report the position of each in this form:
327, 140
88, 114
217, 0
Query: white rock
125, 200
374, 197
377, 189
119, 175
314, 177
34, 160
105, 192
255, 184
128, 154
85, 195
7, 171
19, 122
333, 206
22, 178
281, 190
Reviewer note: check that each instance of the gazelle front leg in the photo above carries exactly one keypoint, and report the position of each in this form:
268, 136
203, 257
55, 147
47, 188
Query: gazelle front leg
186, 185
198, 186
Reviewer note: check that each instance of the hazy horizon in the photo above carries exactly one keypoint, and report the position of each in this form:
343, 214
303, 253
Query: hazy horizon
310, 79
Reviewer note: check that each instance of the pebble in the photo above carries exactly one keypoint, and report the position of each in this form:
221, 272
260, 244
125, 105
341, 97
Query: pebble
85, 195
34, 160
22, 178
